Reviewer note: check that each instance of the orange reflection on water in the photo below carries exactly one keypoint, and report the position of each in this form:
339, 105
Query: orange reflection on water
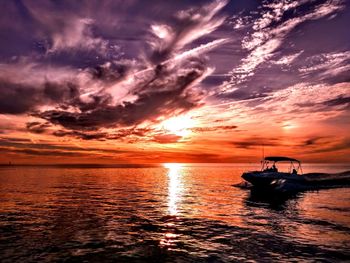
174, 186
170, 238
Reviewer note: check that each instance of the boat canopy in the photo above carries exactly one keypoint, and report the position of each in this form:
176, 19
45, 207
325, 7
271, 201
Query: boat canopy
280, 159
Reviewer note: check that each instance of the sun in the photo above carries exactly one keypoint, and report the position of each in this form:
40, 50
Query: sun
179, 125
173, 166
289, 125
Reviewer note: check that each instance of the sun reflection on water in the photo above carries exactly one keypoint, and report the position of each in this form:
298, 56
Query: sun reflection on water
170, 238
174, 188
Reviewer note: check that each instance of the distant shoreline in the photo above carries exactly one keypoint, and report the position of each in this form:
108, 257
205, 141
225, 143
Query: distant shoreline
149, 165
81, 165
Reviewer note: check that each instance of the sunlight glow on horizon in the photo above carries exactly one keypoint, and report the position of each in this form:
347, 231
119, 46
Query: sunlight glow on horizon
179, 125
172, 166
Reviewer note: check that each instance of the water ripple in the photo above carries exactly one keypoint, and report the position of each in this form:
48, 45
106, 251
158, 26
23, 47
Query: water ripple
180, 214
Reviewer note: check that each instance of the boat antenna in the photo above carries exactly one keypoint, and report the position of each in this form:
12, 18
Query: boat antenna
263, 157
263, 152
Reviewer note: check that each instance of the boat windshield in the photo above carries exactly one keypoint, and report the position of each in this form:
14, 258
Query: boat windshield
285, 164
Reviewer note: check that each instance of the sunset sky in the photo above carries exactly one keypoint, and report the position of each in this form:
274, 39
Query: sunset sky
174, 81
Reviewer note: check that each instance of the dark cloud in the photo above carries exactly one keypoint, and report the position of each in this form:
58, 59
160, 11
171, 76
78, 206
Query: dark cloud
341, 100
242, 94
312, 141
37, 127
341, 145
19, 98
82, 135
58, 92
40, 152
254, 142
15, 139
97, 135
15, 143
166, 138
109, 72
168, 93
82, 101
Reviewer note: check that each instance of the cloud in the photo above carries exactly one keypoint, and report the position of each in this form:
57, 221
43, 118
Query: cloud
82, 135
37, 127
166, 95
214, 128
188, 26
287, 59
337, 145
84, 102
254, 142
24, 86
104, 135
301, 101
11, 144
312, 141
40, 152
161, 90
317, 99
63, 31
75, 34
340, 100
327, 65
269, 32
17, 98
166, 138
101, 73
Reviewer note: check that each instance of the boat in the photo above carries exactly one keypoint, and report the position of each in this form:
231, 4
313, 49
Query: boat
293, 180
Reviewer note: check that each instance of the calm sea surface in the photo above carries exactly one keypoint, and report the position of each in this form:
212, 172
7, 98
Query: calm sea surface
159, 214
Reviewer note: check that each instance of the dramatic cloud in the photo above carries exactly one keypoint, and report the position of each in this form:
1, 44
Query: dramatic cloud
327, 66
168, 81
27, 86
85, 101
297, 102
166, 95
269, 32
189, 25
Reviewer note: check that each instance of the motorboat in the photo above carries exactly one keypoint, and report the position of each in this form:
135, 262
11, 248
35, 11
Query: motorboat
292, 179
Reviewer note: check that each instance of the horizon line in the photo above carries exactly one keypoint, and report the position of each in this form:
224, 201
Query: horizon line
138, 165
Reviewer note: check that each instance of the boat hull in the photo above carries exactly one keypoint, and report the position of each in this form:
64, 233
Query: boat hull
286, 182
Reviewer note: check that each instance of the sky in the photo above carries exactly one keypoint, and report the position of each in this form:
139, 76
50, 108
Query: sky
174, 81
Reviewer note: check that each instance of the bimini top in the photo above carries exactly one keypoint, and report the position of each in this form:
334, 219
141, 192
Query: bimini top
280, 159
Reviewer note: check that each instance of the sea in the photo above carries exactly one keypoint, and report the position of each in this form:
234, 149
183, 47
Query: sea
166, 213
